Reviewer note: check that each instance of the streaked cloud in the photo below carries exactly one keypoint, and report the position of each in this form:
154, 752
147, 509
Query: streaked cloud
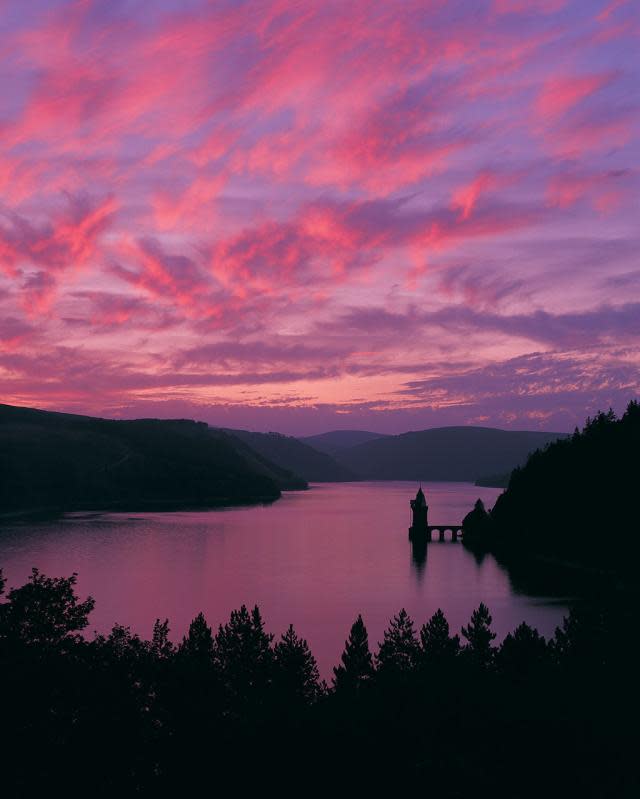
322, 213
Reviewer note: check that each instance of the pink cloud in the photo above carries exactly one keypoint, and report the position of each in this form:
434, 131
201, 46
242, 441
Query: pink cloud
592, 133
263, 259
18, 180
322, 243
68, 240
264, 168
14, 333
604, 190
109, 310
400, 141
194, 207
521, 6
465, 197
39, 290
176, 279
610, 9
560, 94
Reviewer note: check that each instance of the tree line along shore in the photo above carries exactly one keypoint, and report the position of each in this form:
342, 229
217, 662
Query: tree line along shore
237, 709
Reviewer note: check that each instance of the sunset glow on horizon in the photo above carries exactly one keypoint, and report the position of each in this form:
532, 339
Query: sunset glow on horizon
307, 216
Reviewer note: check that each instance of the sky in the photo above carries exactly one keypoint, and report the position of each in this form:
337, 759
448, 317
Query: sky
303, 216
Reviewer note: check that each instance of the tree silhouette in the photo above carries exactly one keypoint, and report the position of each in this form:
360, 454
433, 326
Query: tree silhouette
479, 637
198, 643
437, 646
138, 720
356, 667
573, 485
399, 651
121, 645
584, 635
243, 656
476, 524
161, 646
126, 664
44, 612
521, 651
193, 698
296, 671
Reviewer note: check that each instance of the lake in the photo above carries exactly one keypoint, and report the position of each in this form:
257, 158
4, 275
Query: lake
314, 559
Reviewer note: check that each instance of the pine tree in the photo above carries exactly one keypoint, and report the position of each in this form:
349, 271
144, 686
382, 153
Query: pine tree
243, 655
198, 643
399, 651
584, 635
437, 646
479, 637
521, 651
356, 668
296, 670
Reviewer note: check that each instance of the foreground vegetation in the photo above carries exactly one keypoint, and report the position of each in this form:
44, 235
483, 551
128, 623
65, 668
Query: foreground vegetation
452, 716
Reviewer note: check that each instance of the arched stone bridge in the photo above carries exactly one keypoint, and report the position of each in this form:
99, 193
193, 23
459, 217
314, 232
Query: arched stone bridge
437, 529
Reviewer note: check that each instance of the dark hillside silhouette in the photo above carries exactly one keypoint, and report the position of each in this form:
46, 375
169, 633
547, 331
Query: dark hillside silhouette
494, 480
443, 453
296, 456
283, 474
335, 441
67, 462
576, 501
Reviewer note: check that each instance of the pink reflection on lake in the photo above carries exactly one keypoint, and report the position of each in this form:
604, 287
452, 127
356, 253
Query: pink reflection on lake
314, 559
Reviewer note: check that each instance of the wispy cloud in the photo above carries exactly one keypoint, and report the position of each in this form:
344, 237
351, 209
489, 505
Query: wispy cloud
310, 211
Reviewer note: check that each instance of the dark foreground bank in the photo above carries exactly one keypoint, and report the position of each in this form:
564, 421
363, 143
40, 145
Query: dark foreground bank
239, 710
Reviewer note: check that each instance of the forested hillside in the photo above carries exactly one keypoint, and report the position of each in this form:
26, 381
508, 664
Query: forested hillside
577, 499
67, 462
296, 456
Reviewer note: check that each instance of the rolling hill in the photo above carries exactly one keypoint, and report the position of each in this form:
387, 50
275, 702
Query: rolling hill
335, 441
295, 456
443, 453
68, 462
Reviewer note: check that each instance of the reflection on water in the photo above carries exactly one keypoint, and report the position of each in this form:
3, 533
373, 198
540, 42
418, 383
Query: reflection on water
419, 556
315, 559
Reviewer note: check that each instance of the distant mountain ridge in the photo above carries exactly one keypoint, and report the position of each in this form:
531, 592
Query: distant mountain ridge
337, 440
295, 455
443, 453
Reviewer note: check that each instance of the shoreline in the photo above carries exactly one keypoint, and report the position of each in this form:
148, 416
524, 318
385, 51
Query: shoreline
151, 506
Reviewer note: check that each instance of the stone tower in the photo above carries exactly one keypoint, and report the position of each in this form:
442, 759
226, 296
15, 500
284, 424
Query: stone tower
420, 511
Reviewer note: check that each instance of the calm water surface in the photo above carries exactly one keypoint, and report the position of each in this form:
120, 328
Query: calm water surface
314, 559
